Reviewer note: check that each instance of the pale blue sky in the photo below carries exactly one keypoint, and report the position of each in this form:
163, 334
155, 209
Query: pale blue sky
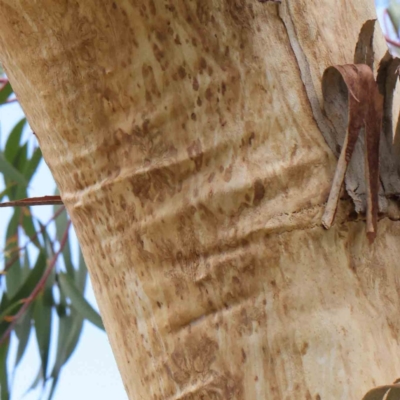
91, 372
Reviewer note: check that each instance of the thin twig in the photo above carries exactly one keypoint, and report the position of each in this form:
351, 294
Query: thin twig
38, 287
34, 201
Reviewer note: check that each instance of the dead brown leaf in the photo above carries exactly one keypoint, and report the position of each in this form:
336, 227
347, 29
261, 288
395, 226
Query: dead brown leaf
365, 111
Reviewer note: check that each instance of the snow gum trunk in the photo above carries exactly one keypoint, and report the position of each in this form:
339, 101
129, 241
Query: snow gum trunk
184, 139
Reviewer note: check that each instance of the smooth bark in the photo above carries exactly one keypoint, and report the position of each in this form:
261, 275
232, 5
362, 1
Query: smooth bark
185, 137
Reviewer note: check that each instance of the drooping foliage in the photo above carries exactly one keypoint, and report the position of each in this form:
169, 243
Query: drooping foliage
41, 286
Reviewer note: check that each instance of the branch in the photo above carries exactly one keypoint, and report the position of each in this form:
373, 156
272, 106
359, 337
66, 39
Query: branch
33, 201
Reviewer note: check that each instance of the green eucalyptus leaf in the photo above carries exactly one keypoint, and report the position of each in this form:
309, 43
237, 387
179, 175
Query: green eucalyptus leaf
13, 142
13, 274
21, 159
10, 310
5, 301
7, 190
11, 173
39, 377
33, 278
81, 274
26, 288
78, 301
61, 226
26, 266
42, 317
5, 93
4, 388
69, 331
32, 164
29, 226
23, 330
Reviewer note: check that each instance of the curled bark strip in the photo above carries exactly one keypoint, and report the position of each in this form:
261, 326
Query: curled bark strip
33, 201
383, 392
365, 108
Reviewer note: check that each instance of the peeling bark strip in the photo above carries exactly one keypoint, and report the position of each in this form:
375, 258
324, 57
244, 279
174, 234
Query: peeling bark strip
384, 392
365, 109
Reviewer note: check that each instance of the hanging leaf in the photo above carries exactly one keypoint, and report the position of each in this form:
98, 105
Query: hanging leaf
78, 301
29, 227
13, 142
10, 310
13, 275
4, 389
5, 93
21, 158
25, 290
32, 164
11, 172
23, 330
42, 317
39, 377
81, 274
69, 330
7, 190
61, 225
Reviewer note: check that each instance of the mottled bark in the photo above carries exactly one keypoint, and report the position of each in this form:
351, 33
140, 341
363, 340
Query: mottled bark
185, 137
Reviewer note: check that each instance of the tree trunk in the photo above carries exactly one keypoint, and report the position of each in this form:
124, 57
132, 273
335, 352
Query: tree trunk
186, 138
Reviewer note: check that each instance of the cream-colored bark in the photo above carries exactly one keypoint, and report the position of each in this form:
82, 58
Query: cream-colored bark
183, 137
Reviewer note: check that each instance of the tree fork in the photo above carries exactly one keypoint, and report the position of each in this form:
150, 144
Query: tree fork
185, 141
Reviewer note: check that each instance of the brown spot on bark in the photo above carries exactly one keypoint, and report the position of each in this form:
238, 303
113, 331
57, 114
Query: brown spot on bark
251, 138
177, 40
203, 63
223, 88
208, 94
304, 348
259, 192
199, 102
244, 356
153, 9
195, 84
182, 72
158, 53
193, 116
